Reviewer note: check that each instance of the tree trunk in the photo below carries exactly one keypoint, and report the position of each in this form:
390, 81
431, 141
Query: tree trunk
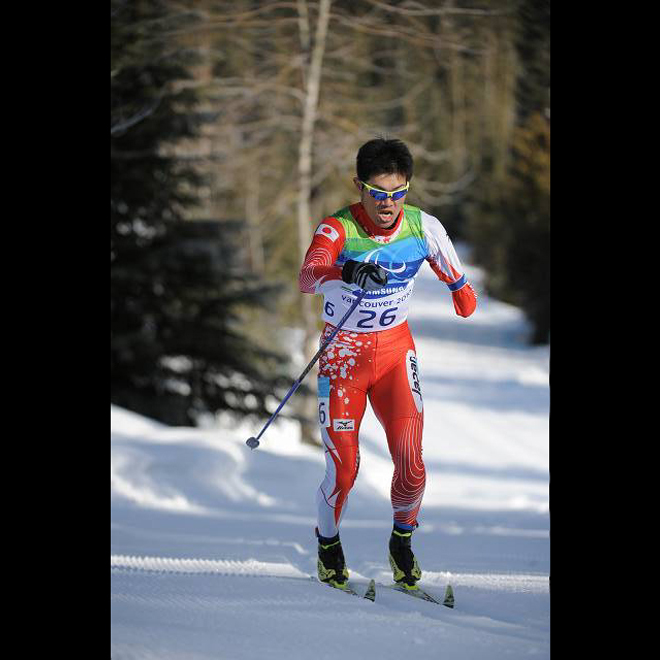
307, 408
255, 237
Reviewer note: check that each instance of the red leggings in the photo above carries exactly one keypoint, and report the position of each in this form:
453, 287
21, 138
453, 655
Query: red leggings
382, 365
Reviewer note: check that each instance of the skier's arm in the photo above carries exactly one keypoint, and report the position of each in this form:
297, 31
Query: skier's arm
318, 267
465, 299
447, 266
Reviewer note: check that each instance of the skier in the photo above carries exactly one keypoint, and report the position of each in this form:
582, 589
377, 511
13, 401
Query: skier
376, 245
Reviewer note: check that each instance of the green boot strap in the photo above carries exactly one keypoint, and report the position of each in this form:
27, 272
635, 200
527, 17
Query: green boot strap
401, 534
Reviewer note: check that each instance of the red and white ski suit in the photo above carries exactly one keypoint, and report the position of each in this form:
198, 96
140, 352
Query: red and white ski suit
373, 356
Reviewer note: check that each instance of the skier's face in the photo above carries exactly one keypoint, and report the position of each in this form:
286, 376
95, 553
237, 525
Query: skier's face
384, 212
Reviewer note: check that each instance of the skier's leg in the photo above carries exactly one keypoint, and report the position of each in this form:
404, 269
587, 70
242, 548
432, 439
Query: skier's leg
404, 438
342, 459
342, 402
397, 402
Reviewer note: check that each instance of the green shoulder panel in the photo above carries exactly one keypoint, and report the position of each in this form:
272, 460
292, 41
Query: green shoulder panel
413, 218
351, 226
358, 239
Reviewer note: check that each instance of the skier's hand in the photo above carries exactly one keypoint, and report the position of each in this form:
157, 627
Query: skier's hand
367, 276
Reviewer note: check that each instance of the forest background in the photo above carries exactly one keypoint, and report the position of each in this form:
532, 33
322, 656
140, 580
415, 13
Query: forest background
234, 130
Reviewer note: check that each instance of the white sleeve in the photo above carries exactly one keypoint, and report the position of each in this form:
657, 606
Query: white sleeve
441, 254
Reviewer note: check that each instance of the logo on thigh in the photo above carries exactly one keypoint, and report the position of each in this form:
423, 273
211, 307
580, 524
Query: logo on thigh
343, 424
413, 379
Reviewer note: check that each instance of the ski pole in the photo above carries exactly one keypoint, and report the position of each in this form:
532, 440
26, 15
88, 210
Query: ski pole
253, 442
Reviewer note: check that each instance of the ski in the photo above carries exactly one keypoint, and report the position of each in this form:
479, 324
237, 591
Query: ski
370, 594
416, 593
347, 589
423, 595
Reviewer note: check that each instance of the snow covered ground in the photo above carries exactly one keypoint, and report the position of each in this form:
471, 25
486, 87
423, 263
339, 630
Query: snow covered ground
212, 544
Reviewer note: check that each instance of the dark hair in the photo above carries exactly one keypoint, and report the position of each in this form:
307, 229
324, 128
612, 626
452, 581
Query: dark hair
381, 156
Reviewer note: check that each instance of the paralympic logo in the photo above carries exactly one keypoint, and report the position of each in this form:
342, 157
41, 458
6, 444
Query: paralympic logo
369, 258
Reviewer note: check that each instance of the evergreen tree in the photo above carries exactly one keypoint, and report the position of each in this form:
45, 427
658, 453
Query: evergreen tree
177, 347
510, 231
511, 237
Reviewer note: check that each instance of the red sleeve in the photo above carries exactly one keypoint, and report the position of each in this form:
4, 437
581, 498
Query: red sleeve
327, 244
462, 293
465, 300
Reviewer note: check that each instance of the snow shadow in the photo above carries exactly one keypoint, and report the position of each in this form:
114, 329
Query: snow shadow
500, 395
443, 467
512, 334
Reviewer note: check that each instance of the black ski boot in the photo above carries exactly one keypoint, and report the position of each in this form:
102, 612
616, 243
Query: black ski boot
405, 569
331, 564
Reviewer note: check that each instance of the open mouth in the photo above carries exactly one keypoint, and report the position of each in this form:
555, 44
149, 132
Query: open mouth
386, 215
